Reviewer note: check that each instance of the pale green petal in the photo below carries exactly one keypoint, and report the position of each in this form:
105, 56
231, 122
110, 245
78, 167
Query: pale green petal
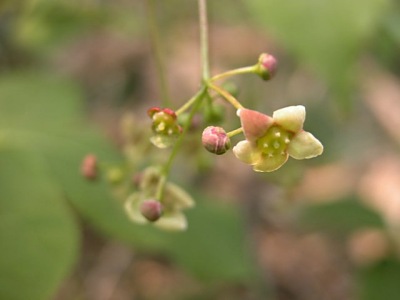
175, 221
269, 164
245, 152
291, 118
176, 198
132, 209
304, 145
162, 141
150, 178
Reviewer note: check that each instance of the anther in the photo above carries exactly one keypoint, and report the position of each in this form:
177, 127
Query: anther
287, 141
161, 126
277, 134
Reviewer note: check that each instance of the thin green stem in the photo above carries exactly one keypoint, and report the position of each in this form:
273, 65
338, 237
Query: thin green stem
232, 100
156, 45
204, 39
186, 106
234, 132
160, 187
244, 70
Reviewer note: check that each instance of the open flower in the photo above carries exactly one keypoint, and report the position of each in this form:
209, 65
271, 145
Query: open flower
165, 126
270, 140
167, 213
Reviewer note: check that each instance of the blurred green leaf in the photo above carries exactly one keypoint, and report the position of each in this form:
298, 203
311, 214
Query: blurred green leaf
214, 246
380, 281
44, 115
329, 35
37, 232
341, 217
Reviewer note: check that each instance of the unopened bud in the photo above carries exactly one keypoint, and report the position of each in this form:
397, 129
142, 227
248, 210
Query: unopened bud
89, 167
151, 210
215, 140
267, 65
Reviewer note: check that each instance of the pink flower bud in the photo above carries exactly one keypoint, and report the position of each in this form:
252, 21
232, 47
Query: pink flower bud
151, 210
89, 167
267, 65
215, 140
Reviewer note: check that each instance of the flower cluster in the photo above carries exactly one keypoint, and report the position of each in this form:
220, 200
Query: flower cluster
269, 141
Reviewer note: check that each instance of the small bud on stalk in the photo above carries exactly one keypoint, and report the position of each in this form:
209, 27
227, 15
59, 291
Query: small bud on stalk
89, 167
151, 210
267, 65
215, 140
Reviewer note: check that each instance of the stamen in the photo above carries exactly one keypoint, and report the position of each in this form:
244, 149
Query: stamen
161, 126
278, 134
170, 131
270, 155
287, 141
265, 145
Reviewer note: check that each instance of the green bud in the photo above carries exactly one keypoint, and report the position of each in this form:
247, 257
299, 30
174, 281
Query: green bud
267, 65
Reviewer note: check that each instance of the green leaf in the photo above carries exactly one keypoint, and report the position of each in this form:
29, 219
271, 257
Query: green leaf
380, 281
37, 232
44, 114
329, 35
341, 217
214, 247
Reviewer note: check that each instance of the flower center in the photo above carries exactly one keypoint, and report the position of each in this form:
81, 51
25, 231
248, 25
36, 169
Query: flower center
274, 142
164, 124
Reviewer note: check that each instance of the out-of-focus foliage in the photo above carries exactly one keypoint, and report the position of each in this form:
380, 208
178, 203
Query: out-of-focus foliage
341, 217
328, 35
44, 134
380, 281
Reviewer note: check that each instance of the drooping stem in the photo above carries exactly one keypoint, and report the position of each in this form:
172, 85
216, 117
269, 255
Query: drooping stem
232, 100
156, 45
234, 132
204, 39
244, 70
186, 106
196, 100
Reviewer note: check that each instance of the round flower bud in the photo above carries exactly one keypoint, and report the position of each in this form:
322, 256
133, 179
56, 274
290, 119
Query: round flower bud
89, 167
151, 210
267, 65
215, 140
